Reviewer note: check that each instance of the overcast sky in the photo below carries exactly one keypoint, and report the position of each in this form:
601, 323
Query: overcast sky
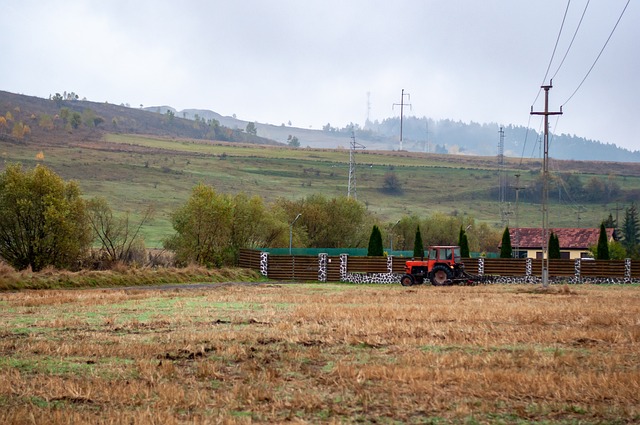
312, 62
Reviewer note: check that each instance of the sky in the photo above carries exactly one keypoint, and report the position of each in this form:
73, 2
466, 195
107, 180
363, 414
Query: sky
318, 62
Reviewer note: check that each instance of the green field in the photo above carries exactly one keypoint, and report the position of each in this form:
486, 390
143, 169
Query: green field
132, 171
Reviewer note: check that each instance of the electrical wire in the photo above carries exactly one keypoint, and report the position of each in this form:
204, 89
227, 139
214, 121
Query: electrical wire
554, 52
572, 39
599, 54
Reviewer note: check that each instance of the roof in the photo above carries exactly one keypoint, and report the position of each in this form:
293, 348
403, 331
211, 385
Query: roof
569, 238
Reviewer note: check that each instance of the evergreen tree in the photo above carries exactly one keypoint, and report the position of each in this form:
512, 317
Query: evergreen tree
375, 243
631, 230
505, 249
554, 246
418, 247
603, 244
463, 243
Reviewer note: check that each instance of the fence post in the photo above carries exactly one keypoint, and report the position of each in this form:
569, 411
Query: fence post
480, 266
343, 266
578, 264
322, 267
264, 264
627, 270
389, 264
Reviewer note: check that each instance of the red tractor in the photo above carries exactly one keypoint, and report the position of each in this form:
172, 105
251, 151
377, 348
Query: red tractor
442, 266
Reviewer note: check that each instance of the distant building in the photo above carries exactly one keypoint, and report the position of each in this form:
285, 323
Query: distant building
526, 242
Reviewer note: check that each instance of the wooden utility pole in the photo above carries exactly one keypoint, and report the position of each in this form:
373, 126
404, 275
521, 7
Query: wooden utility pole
545, 184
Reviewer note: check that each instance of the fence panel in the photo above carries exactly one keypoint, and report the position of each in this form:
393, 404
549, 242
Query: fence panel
367, 265
333, 269
558, 267
471, 265
505, 266
602, 268
635, 269
249, 259
287, 267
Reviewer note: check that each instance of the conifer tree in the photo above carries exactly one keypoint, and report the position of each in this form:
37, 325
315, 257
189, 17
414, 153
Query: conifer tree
418, 247
463, 243
505, 249
603, 244
375, 243
554, 246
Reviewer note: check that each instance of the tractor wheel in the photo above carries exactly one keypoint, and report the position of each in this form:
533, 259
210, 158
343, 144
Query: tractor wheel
407, 280
440, 275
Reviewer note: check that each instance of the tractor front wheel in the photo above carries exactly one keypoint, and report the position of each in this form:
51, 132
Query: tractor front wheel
440, 275
407, 280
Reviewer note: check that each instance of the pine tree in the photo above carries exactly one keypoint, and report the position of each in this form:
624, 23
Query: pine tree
554, 246
603, 244
505, 249
375, 243
631, 230
418, 247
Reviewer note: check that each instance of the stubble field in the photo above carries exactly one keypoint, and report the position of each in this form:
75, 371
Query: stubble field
321, 353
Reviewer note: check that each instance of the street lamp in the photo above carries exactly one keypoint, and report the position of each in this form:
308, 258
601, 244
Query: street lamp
291, 231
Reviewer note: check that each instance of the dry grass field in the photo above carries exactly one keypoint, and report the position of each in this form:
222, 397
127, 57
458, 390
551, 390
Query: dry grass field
321, 353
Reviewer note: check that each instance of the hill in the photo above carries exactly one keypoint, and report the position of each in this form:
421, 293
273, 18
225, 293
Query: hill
431, 136
51, 119
132, 170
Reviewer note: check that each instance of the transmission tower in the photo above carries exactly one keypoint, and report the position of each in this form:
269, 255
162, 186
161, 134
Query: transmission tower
545, 184
402, 105
368, 108
351, 191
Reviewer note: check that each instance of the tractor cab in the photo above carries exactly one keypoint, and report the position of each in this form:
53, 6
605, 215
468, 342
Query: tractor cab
441, 265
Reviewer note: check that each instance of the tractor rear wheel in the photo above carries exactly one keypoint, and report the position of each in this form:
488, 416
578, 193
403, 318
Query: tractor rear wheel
407, 280
440, 275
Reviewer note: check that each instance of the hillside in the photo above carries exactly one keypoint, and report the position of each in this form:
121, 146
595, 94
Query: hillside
431, 136
47, 121
135, 170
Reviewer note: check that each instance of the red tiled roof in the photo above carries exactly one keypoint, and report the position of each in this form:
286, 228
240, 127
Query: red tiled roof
569, 238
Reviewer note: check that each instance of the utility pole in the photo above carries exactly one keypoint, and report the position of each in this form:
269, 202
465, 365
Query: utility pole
517, 230
351, 190
402, 111
545, 184
501, 178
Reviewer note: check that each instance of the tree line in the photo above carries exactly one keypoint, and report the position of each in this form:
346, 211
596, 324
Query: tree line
45, 221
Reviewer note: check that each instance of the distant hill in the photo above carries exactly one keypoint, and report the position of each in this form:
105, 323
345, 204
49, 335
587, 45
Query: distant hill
428, 135
52, 119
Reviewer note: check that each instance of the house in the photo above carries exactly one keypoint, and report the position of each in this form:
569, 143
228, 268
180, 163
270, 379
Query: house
526, 242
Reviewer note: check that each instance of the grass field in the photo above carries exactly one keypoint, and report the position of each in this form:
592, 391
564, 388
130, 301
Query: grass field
317, 353
134, 171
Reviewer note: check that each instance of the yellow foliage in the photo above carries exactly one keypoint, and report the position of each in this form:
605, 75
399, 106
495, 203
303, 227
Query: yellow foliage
40, 156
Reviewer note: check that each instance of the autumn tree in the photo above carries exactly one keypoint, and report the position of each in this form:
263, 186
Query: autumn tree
118, 236
251, 128
203, 228
43, 219
391, 184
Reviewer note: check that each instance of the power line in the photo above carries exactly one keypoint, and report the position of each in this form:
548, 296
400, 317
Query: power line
599, 54
572, 39
553, 53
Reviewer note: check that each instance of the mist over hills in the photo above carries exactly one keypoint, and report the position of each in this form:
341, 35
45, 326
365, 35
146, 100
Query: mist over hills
429, 135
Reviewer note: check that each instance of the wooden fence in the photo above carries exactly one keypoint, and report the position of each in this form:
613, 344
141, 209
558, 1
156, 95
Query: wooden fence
328, 268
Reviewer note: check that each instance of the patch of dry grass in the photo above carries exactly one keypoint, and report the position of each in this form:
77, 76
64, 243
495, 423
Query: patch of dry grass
321, 353
50, 278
